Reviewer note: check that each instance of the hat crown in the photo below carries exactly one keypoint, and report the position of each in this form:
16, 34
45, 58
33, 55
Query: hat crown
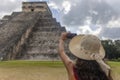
83, 46
90, 43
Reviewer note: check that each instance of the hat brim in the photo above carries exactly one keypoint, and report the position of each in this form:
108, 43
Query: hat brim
74, 47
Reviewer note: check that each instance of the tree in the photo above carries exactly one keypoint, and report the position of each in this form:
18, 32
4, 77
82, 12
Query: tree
111, 48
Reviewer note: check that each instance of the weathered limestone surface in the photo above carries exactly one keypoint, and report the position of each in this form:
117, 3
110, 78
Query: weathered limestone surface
30, 34
43, 41
35, 7
11, 33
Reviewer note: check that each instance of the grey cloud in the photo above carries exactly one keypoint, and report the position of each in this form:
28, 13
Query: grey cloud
8, 6
111, 33
57, 1
115, 4
99, 12
86, 8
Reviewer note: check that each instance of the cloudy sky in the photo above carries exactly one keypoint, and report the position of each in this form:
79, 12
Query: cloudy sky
98, 17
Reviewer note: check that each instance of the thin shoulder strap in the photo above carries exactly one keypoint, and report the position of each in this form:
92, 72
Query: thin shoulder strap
75, 73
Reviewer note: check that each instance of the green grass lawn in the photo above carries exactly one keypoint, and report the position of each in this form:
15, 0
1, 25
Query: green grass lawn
40, 70
31, 64
115, 69
32, 70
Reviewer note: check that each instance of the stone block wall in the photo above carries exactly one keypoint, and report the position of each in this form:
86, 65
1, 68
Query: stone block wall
11, 33
30, 35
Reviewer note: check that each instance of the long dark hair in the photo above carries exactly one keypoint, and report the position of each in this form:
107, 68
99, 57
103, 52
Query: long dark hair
89, 70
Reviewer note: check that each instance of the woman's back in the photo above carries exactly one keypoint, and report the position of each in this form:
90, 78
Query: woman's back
88, 70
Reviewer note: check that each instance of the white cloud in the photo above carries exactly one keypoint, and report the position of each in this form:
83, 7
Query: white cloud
53, 5
114, 23
93, 12
86, 29
12, 0
66, 5
9, 6
88, 20
104, 38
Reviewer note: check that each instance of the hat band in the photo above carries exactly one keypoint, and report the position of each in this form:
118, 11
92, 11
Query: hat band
102, 64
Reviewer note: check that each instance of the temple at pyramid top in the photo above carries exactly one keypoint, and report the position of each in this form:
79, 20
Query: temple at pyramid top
35, 7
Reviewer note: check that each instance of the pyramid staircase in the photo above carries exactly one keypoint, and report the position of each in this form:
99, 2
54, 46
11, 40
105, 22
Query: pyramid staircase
30, 35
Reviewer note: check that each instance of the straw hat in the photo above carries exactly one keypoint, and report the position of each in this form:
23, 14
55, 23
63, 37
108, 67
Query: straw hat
83, 46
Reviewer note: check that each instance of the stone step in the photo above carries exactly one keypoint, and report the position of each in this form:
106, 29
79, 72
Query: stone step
43, 33
43, 39
48, 24
42, 46
47, 29
39, 27
53, 26
3, 22
42, 42
48, 20
24, 16
7, 18
15, 14
63, 29
45, 16
41, 50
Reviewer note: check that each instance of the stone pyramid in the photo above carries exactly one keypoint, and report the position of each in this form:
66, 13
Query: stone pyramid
30, 34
